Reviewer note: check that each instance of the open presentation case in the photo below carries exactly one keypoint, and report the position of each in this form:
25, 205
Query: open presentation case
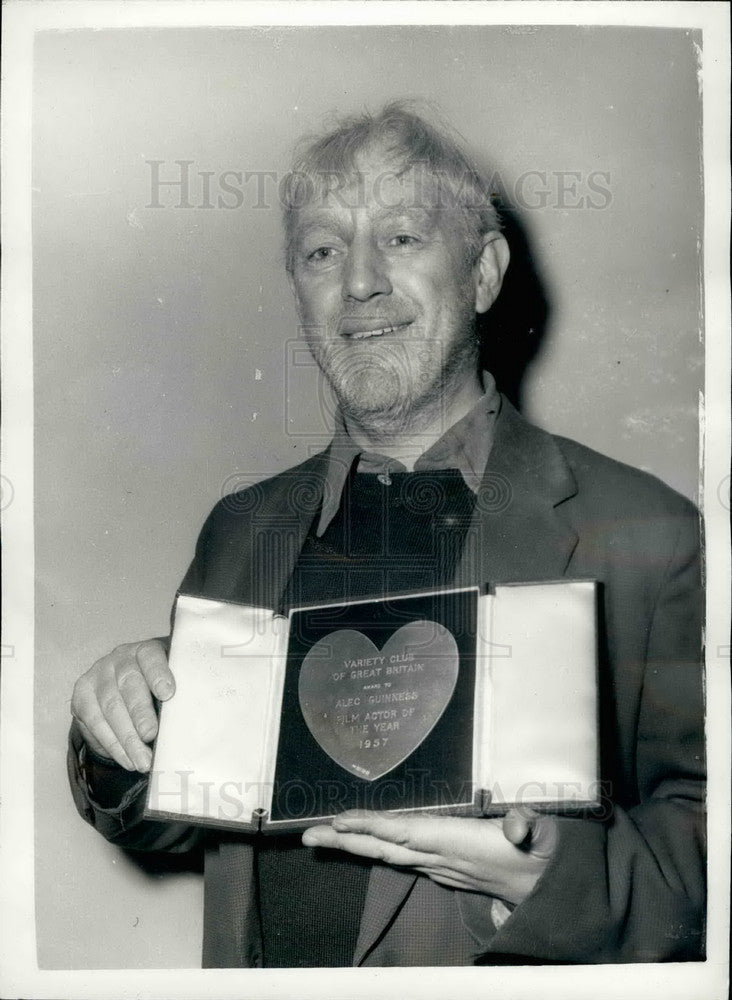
452, 700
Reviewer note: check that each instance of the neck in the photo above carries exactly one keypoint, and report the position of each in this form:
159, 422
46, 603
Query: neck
411, 434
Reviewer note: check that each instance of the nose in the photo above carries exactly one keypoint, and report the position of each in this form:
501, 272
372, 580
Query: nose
365, 274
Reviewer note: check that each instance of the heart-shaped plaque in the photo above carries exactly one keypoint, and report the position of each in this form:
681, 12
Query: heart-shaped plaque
369, 709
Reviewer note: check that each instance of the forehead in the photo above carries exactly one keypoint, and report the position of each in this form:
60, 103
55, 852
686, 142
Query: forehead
378, 190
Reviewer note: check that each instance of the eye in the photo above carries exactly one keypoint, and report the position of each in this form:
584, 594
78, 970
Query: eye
321, 254
404, 240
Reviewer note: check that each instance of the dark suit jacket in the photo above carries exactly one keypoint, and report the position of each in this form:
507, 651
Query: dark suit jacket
629, 887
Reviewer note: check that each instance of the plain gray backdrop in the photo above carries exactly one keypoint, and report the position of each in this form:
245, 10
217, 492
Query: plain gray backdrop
167, 364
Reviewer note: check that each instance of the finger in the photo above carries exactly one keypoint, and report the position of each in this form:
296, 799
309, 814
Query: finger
317, 836
437, 836
365, 846
124, 734
447, 878
87, 711
385, 826
138, 700
90, 741
153, 663
104, 742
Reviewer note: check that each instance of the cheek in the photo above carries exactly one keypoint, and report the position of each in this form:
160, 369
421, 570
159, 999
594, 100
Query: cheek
441, 296
315, 300
443, 279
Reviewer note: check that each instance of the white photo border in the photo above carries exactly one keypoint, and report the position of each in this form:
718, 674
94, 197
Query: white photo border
19, 973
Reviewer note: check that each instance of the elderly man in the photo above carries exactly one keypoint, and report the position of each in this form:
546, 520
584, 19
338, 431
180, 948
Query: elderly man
393, 249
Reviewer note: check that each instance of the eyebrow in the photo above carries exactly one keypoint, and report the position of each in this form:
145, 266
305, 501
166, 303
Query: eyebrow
411, 212
321, 219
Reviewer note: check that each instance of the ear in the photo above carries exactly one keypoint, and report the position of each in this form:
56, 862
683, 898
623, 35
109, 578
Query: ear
489, 270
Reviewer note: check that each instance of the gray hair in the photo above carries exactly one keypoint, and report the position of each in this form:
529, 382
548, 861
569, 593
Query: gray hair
408, 140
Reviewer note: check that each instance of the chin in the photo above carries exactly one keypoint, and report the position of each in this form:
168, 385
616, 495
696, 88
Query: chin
383, 398
370, 392
384, 381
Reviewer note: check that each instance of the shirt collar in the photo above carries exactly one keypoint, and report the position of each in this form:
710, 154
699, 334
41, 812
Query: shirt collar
465, 446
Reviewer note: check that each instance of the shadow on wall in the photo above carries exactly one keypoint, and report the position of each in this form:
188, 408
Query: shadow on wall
513, 330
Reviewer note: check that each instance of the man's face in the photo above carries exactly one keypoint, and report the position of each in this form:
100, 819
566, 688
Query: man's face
385, 291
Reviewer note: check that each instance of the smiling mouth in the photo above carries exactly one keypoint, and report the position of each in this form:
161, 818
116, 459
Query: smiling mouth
380, 332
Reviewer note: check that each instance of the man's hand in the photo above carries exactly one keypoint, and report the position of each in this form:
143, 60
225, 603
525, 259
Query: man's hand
112, 702
503, 858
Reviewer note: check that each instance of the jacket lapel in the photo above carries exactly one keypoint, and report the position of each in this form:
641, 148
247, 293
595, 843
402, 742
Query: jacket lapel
387, 890
517, 532
279, 530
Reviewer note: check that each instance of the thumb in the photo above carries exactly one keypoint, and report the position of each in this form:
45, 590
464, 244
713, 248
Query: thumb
531, 831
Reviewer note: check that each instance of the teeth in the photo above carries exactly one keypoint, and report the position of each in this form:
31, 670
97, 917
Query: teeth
363, 334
